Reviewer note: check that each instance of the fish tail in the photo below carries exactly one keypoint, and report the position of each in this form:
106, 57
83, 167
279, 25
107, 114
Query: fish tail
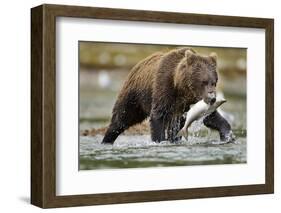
183, 133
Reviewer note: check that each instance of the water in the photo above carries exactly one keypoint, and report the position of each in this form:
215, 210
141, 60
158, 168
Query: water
135, 151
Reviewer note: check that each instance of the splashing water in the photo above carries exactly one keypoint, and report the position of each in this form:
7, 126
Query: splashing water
139, 151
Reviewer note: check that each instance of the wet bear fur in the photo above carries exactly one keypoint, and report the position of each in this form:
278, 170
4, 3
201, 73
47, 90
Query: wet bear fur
162, 87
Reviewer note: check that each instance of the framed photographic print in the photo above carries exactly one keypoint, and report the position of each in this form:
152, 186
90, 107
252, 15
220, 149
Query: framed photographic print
136, 106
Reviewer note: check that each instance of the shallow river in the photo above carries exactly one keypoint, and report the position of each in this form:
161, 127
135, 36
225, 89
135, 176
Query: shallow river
202, 148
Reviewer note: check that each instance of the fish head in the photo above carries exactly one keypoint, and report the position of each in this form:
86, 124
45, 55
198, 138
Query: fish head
213, 107
219, 102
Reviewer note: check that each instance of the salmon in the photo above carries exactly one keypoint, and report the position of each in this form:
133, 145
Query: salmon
197, 111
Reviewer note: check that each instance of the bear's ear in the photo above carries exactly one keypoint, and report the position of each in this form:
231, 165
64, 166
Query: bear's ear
214, 57
190, 56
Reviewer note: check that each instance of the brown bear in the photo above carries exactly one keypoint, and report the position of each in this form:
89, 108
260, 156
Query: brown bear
162, 87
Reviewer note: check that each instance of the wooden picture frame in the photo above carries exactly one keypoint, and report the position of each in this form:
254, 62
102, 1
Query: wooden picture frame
43, 105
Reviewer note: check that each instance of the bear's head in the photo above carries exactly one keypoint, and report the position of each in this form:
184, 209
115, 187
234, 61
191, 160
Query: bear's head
196, 76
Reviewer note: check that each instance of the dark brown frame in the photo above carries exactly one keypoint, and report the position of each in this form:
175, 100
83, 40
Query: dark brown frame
43, 105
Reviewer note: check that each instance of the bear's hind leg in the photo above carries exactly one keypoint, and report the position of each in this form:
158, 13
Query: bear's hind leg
124, 116
113, 131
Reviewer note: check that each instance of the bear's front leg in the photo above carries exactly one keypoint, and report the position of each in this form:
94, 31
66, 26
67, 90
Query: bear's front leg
219, 123
174, 127
158, 124
157, 128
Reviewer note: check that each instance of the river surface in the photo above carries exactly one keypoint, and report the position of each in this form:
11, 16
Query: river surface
137, 151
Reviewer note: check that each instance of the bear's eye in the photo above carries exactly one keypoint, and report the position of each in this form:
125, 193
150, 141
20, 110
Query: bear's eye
204, 83
214, 84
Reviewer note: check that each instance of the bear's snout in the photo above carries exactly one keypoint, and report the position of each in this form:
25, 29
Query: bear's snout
212, 101
211, 98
